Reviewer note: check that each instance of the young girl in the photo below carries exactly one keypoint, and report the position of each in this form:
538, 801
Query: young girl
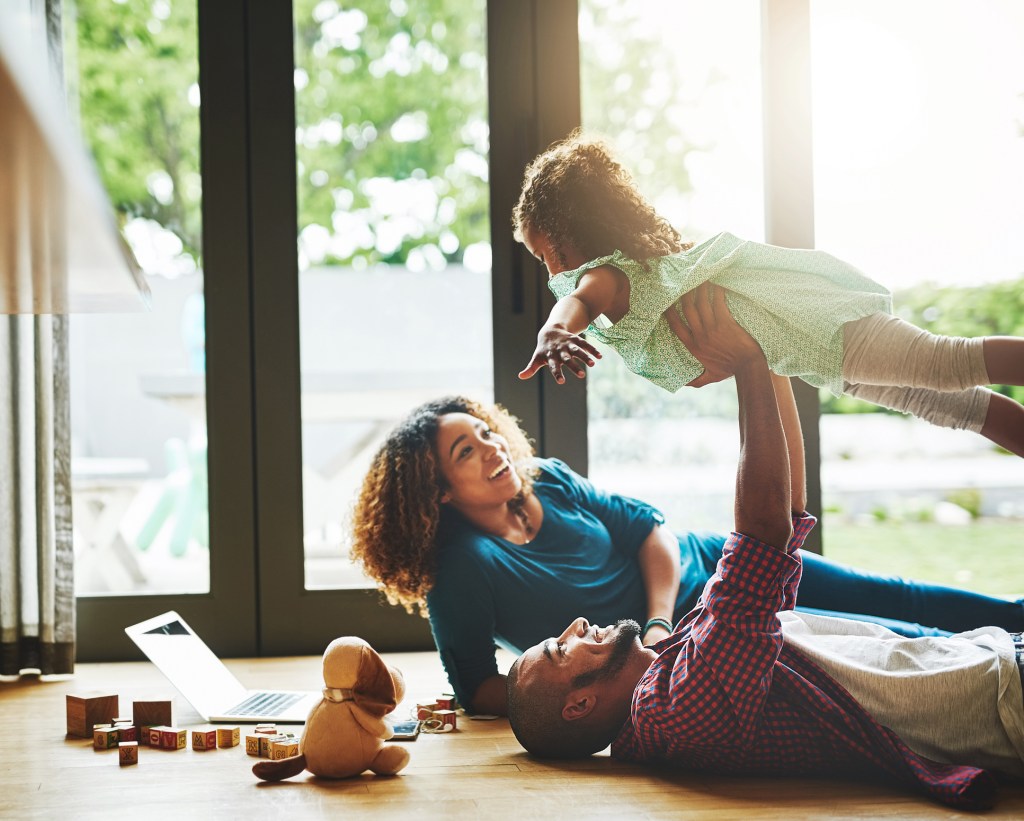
618, 269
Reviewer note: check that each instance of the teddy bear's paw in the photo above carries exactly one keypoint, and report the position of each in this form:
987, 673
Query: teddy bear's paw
389, 760
280, 769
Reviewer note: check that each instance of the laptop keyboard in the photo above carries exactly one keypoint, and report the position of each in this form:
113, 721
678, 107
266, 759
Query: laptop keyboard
268, 704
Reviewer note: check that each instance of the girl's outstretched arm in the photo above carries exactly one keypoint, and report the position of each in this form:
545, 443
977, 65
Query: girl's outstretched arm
559, 344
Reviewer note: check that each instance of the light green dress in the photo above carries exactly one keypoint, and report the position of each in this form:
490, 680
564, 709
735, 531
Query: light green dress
793, 302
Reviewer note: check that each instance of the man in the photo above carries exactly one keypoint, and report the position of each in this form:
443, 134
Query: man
745, 685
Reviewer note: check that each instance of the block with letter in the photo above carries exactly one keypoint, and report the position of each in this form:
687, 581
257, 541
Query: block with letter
285, 748
252, 744
128, 752
87, 709
105, 738
205, 738
228, 736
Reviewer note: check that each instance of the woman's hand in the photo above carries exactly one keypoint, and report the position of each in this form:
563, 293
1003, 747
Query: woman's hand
557, 348
711, 334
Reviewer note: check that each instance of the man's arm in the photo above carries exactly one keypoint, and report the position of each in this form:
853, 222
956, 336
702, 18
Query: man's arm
711, 334
794, 441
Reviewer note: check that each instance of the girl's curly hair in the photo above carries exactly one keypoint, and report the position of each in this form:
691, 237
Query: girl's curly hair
394, 523
578, 195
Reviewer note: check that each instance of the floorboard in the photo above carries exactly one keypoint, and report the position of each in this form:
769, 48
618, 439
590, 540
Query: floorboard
477, 772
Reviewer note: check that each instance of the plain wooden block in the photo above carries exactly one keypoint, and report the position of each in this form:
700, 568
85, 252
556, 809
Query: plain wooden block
151, 712
85, 710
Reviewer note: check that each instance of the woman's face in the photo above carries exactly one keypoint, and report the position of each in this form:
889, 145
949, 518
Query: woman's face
475, 463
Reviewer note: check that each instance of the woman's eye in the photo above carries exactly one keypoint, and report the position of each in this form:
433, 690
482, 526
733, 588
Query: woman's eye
465, 452
486, 433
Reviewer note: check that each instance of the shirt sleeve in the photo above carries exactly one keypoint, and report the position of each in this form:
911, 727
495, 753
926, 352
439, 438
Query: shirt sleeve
628, 521
462, 621
723, 671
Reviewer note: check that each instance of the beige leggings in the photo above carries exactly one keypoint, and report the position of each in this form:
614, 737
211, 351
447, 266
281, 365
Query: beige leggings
897, 365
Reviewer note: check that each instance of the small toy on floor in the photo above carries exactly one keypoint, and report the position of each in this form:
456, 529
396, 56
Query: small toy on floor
345, 732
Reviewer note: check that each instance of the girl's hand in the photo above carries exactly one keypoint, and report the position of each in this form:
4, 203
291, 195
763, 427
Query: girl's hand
559, 348
711, 334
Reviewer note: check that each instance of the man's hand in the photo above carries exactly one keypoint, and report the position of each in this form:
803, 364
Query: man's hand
711, 334
558, 348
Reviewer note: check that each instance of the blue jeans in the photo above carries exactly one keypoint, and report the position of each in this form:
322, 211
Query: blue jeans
829, 588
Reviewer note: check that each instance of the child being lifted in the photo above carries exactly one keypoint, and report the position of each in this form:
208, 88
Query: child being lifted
618, 269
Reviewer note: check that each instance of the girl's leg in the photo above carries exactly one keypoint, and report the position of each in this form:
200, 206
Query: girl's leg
882, 349
1004, 423
1004, 359
843, 590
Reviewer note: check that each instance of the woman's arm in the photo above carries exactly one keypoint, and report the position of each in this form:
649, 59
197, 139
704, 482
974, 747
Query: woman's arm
659, 567
490, 697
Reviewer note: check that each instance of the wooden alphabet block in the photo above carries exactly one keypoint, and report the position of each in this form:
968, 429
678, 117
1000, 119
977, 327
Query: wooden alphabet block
86, 709
267, 740
173, 738
284, 749
126, 732
228, 736
252, 744
105, 738
128, 752
204, 738
155, 735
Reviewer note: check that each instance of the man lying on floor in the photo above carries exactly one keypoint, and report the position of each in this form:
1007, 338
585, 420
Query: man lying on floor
744, 684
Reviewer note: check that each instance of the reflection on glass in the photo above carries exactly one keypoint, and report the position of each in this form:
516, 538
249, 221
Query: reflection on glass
137, 380
919, 181
676, 89
394, 253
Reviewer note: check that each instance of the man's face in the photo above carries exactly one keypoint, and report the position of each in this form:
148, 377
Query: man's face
607, 661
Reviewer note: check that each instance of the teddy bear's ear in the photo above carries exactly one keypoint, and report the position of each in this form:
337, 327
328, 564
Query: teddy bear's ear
374, 690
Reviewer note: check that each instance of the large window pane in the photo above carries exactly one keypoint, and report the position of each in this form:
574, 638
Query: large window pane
394, 255
919, 181
676, 88
137, 380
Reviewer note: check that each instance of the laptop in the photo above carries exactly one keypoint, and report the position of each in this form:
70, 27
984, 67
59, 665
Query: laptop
206, 683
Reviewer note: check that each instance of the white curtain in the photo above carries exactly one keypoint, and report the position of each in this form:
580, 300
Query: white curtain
37, 599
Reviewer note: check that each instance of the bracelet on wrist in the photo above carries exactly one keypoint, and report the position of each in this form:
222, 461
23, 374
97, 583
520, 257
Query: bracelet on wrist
657, 623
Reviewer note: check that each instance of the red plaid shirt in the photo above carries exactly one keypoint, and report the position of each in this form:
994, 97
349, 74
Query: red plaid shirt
727, 694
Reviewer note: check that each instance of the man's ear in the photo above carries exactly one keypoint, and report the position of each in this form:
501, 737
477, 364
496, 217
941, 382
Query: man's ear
579, 705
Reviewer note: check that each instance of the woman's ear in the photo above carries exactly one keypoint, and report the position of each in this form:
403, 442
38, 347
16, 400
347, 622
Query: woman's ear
445, 498
578, 706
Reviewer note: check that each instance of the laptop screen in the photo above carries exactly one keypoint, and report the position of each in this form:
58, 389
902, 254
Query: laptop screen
188, 663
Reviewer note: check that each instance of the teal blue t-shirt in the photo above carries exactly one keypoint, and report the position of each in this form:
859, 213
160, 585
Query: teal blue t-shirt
582, 562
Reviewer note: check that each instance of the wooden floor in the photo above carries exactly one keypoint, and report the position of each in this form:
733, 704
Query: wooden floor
477, 772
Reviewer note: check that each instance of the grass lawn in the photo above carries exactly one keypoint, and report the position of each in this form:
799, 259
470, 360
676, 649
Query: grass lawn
986, 556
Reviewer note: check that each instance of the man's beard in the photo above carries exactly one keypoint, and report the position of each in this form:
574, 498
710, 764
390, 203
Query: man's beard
624, 640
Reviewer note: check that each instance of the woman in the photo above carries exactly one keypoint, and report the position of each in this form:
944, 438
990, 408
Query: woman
456, 518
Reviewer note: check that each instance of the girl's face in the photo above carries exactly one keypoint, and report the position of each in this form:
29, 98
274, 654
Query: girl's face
475, 463
538, 244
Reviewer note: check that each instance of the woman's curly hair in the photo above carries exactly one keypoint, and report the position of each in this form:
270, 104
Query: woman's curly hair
394, 523
578, 195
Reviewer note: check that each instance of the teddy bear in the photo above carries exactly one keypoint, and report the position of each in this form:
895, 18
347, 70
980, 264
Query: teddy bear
345, 732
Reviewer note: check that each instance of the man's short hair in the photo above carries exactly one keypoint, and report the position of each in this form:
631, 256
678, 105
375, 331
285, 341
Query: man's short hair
535, 715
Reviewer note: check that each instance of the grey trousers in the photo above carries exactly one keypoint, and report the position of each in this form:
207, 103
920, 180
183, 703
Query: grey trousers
897, 365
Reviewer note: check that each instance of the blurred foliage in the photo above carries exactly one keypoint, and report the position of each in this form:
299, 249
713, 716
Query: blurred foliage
391, 111
135, 67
